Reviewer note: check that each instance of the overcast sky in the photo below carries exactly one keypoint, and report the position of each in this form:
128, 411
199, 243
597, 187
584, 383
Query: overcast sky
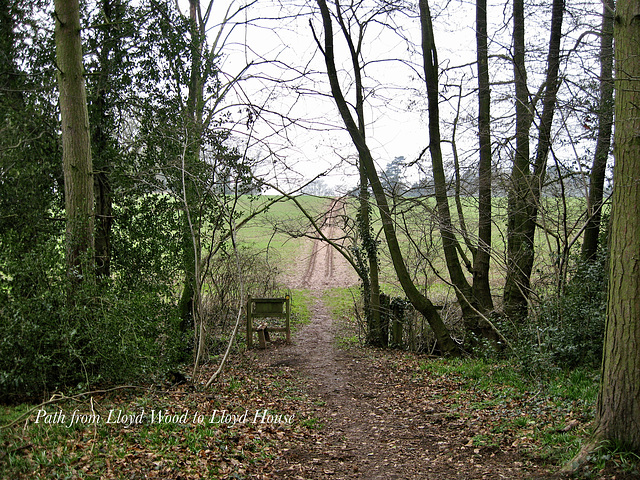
277, 37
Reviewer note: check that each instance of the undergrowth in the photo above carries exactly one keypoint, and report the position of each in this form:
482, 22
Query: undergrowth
160, 431
549, 416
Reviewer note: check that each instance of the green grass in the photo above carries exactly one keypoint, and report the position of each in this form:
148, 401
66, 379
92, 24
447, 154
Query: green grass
301, 300
483, 440
192, 449
616, 455
342, 302
551, 415
312, 423
576, 385
267, 231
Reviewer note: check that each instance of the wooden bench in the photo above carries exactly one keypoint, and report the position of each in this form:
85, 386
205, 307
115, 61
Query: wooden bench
267, 308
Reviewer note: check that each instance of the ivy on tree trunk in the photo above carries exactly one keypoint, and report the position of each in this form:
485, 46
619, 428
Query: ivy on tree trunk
76, 145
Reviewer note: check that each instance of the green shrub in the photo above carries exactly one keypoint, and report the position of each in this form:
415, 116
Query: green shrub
108, 330
567, 328
105, 334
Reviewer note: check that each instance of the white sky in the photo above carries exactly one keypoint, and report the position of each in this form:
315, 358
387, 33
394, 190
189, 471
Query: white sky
396, 109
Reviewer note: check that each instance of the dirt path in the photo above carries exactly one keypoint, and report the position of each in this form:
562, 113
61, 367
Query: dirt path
375, 426
324, 267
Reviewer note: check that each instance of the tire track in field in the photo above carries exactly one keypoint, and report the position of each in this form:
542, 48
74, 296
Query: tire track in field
321, 269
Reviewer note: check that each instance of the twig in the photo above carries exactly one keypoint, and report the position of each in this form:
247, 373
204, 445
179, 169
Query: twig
240, 300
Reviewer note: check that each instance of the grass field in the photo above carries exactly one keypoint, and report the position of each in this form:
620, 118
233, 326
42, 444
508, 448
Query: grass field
279, 230
419, 235
279, 233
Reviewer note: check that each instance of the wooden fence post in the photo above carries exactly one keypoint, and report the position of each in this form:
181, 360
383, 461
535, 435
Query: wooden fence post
249, 324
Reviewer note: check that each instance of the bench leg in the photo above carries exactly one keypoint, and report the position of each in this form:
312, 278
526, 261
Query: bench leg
262, 339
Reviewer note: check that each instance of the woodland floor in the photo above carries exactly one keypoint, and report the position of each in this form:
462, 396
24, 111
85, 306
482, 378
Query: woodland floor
382, 420
356, 413
379, 421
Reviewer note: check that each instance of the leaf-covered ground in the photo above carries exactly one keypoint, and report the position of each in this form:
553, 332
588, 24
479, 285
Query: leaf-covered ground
387, 414
234, 430
312, 410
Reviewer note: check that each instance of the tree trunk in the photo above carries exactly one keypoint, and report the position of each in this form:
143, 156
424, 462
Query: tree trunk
548, 109
525, 188
518, 246
368, 270
464, 293
603, 143
374, 303
76, 145
102, 142
371, 282
189, 304
449, 240
618, 410
481, 260
419, 301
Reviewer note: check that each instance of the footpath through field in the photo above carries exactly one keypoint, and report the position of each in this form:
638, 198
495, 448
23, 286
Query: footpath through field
376, 422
